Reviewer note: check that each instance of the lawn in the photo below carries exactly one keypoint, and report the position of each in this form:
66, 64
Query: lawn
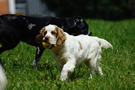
118, 65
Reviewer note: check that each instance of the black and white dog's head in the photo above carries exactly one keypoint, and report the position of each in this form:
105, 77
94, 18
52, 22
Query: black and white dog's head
77, 25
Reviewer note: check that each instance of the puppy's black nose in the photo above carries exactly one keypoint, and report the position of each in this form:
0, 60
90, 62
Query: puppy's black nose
46, 38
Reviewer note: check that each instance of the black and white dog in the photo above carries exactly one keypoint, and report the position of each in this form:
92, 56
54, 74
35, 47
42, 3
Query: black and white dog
16, 28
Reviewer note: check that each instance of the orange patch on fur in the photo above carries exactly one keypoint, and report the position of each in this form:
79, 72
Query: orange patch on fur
80, 45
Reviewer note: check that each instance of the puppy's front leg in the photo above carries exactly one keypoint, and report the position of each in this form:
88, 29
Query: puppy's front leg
67, 69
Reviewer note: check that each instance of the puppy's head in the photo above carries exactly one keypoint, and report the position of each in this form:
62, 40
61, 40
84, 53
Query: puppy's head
51, 34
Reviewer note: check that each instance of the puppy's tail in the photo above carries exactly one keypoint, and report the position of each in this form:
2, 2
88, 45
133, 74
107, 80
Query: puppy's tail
3, 78
103, 43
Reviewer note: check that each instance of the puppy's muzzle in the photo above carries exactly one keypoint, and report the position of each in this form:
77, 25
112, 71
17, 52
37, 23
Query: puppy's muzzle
46, 38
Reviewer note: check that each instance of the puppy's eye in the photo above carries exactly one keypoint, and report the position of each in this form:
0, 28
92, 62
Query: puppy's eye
53, 32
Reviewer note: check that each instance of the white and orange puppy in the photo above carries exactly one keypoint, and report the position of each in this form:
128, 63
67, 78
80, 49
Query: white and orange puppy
70, 51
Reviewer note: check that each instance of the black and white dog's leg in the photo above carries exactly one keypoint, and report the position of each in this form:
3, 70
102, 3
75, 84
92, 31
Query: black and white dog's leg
39, 52
3, 78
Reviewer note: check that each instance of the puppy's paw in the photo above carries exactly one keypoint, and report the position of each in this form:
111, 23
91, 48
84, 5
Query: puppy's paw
63, 78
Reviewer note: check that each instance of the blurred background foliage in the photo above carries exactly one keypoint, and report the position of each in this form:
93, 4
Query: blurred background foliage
99, 9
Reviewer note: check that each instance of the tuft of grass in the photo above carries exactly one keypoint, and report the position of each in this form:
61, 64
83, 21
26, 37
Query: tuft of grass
118, 65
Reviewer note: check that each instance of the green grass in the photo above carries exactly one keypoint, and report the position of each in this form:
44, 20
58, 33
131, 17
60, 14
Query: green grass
118, 65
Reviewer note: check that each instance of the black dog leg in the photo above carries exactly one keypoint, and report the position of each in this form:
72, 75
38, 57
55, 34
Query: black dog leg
0, 62
39, 52
1, 50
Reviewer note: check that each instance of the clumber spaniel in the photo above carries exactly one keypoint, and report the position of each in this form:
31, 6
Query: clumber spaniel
70, 51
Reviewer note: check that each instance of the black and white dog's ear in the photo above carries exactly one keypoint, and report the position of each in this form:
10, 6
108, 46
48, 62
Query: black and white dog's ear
0, 62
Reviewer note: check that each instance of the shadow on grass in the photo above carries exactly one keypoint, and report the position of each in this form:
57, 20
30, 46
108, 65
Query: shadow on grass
44, 66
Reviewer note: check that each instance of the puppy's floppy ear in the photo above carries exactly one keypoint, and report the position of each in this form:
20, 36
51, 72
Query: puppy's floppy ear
39, 38
61, 37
